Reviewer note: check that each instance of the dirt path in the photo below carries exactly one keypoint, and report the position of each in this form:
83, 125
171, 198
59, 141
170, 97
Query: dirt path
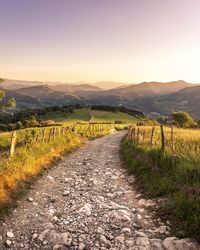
87, 202
91, 115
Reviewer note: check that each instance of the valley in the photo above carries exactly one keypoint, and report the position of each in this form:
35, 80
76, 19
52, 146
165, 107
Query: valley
148, 97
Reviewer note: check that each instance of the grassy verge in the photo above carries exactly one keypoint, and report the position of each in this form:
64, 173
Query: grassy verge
30, 159
28, 162
179, 183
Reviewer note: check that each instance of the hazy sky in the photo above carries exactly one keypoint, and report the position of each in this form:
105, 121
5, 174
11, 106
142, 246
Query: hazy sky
94, 40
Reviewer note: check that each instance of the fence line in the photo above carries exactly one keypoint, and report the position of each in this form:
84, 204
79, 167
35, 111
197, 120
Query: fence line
20, 138
139, 136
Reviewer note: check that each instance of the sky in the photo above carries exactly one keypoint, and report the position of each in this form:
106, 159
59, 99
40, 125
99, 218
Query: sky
100, 40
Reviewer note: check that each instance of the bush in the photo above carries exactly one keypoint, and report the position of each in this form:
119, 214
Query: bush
118, 122
19, 125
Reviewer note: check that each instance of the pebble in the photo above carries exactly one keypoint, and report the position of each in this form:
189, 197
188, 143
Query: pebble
102, 209
66, 193
8, 243
34, 236
10, 234
30, 199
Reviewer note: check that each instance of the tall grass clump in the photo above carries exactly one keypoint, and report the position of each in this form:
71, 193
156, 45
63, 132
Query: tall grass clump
35, 150
28, 161
163, 174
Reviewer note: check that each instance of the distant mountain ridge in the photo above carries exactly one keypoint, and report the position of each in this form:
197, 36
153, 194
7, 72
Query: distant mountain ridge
148, 97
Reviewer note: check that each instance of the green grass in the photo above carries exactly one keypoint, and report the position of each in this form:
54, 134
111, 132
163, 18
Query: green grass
79, 115
107, 116
83, 115
178, 182
57, 116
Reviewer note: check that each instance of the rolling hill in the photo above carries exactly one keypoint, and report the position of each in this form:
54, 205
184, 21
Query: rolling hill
159, 97
187, 99
46, 94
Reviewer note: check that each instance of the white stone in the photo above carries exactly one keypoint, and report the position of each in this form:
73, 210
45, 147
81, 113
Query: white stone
157, 244
104, 241
168, 243
162, 229
126, 231
120, 239
142, 241
8, 243
54, 219
140, 234
10, 234
34, 236
66, 192
50, 178
86, 209
81, 246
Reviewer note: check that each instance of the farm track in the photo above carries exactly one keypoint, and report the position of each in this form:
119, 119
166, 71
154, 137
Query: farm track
88, 202
91, 116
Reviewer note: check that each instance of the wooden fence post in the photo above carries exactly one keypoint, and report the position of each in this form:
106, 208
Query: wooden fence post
152, 134
129, 133
54, 133
134, 134
162, 139
50, 132
43, 135
37, 137
172, 144
144, 133
63, 130
138, 134
13, 143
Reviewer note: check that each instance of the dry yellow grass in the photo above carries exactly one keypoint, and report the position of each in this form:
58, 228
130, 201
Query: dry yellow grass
32, 157
29, 161
186, 141
176, 176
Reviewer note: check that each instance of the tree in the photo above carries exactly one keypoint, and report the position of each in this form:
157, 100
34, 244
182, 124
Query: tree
182, 119
10, 104
19, 125
32, 121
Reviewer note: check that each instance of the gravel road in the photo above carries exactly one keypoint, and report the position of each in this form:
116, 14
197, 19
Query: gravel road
87, 201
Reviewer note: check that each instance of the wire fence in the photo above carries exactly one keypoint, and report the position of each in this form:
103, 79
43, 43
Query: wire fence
10, 141
175, 142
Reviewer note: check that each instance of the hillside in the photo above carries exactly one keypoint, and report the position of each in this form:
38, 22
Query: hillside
108, 116
23, 100
73, 88
84, 115
68, 87
46, 94
147, 97
187, 99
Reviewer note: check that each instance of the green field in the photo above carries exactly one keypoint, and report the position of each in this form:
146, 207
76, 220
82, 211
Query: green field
108, 116
83, 115
77, 116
